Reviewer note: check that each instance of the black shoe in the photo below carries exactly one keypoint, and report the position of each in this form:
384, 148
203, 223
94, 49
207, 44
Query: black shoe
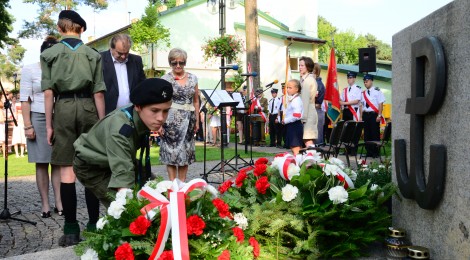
69, 240
279, 147
272, 145
59, 212
46, 214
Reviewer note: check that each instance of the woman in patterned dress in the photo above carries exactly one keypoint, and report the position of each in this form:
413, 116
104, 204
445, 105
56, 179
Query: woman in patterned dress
177, 149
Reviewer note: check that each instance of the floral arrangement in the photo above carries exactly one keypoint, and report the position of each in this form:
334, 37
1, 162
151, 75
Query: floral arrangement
291, 208
138, 223
228, 46
306, 208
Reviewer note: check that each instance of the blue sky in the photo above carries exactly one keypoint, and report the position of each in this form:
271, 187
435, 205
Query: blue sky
382, 18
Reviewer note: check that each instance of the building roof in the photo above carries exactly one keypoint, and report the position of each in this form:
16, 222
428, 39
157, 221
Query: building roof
380, 74
285, 35
282, 33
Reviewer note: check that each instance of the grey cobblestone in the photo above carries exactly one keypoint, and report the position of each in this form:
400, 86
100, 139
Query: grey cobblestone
19, 240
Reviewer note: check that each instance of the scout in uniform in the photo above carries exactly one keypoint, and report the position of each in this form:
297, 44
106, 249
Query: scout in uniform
72, 74
263, 110
273, 107
105, 157
372, 106
350, 99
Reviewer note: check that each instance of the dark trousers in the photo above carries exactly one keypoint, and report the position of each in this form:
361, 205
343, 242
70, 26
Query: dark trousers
327, 129
347, 115
280, 134
273, 131
371, 132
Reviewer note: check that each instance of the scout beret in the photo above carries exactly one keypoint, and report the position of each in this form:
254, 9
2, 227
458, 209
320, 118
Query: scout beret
352, 74
274, 90
368, 76
152, 91
74, 17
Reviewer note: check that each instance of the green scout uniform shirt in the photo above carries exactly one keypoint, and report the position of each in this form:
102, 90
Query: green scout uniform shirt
107, 146
67, 70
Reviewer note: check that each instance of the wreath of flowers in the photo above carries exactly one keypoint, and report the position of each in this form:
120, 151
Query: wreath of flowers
228, 46
132, 227
291, 208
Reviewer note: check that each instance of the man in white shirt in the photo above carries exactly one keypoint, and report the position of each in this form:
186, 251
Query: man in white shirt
372, 107
350, 97
122, 71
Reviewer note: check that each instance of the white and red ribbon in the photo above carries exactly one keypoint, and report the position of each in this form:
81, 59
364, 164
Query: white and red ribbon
173, 216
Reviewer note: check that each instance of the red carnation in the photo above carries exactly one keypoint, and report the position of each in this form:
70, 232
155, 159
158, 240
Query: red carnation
140, 225
255, 246
225, 186
262, 184
238, 233
195, 225
261, 161
124, 252
166, 255
260, 169
224, 256
222, 207
240, 178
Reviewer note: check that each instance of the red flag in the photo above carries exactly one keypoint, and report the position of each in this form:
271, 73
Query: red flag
332, 92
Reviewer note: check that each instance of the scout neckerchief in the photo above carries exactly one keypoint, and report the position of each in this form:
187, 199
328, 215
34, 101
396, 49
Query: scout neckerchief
142, 175
382, 119
72, 41
353, 111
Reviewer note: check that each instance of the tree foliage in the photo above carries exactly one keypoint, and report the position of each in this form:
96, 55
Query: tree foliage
43, 24
9, 63
148, 30
347, 44
6, 21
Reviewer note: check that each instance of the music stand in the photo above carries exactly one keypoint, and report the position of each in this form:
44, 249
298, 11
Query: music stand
219, 99
6, 212
237, 97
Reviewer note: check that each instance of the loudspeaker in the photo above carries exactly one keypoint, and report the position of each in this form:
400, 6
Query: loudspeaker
367, 61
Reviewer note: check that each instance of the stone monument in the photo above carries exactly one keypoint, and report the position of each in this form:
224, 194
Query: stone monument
431, 126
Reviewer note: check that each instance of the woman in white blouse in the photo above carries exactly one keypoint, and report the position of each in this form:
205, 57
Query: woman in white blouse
39, 151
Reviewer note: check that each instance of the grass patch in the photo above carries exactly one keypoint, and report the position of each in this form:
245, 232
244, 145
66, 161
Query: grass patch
21, 167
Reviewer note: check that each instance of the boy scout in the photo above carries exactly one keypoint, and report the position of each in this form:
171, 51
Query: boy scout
105, 156
72, 74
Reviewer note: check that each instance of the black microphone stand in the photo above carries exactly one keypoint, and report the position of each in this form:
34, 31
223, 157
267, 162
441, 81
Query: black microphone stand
6, 212
222, 160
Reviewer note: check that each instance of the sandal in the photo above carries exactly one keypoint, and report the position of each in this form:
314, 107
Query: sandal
59, 212
46, 214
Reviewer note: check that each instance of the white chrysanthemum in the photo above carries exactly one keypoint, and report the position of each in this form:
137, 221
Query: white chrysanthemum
337, 161
375, 170
382, 166
374, 187
241, 220
330, 169
124, 194
213, 191
293, 170
163, 186
289, 192
90, 254
101, 223
338, 194
115, 209
365, 166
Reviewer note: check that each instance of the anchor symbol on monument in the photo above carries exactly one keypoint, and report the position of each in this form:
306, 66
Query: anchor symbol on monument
412, 184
